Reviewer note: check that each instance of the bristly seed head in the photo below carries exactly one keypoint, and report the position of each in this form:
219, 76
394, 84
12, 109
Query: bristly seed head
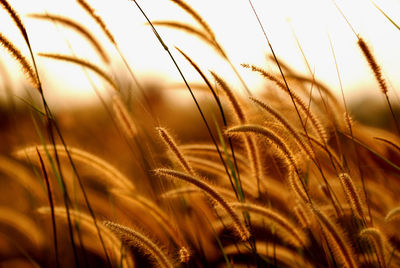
351, 193
16, 54
376, 69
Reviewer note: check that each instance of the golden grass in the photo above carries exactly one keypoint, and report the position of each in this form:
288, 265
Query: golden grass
90, 10
187, 28
304, 146
16, 18
296, 236
250, 141
336, 239
283, 256
316, 124
169, 141
373, 64
271, 137
159, 215
13, 221
78, 28
22, 61
113, 244
352, 194
289, 180
196, 16
377, 239
134, 238
124, 118
82, 63
239, 226
111, 175
392, 214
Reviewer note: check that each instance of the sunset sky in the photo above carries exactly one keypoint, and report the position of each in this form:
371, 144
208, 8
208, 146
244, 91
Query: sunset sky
313, 21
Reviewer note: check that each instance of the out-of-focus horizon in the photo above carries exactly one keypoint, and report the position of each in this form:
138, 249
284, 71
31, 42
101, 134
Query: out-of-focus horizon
236, 28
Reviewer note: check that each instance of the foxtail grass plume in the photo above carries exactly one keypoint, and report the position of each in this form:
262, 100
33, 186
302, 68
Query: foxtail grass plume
352, 194
173, 147
138, 240
392, 214
16, 18
376, 69
315, 122
297, 236
208, 189
22, 61
78, 28
90, 10
377, 239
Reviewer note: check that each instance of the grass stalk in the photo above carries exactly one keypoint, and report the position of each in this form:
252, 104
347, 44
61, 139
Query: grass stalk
51, 203
239, 226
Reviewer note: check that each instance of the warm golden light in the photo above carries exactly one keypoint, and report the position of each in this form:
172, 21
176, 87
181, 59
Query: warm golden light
213, 133
313, 22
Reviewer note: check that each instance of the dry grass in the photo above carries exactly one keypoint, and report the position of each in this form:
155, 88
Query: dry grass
23, 62
83, 63
288, 181
78, 28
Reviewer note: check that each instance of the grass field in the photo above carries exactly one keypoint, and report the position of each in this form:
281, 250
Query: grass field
227, 176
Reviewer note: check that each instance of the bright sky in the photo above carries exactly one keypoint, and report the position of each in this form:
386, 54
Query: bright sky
236, 29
